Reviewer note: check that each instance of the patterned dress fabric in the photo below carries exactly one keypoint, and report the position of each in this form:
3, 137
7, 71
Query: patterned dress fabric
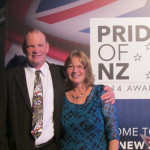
37, 118
89, 126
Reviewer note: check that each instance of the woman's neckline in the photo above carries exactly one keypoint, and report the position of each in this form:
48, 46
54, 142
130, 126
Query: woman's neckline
80, 101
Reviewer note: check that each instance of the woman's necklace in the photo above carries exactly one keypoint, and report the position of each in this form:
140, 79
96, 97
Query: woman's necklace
77, 97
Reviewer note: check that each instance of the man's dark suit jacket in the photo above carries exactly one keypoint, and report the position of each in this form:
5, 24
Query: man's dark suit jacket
16, 111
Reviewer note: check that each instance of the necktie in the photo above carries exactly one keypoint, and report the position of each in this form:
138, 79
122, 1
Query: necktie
37, 118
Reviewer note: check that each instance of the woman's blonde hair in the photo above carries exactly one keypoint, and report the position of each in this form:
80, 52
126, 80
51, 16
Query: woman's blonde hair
84, 60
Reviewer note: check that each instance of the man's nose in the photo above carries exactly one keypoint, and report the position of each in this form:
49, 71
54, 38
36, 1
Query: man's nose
35, 50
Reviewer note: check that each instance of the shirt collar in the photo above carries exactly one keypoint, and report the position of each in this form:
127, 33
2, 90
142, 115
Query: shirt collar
32, 70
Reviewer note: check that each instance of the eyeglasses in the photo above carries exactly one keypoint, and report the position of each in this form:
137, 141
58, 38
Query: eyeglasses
70, 67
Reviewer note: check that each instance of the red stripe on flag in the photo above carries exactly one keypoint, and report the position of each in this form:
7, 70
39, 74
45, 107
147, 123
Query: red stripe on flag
16, 38
76, 11
58, 54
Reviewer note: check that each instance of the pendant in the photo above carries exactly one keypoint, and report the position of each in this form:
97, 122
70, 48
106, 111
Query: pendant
77, 96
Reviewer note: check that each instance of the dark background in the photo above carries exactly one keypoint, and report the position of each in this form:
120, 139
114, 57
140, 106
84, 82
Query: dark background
2, 33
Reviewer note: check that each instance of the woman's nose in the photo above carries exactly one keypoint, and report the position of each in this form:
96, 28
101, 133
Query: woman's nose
74, 69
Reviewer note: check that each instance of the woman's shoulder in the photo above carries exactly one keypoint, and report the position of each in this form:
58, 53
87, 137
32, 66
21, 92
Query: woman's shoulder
97, 91
99, 87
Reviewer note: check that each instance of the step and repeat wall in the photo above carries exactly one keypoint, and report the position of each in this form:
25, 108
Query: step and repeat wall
115, 34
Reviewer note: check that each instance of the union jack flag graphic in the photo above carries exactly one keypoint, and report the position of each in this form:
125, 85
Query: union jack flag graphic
66, 22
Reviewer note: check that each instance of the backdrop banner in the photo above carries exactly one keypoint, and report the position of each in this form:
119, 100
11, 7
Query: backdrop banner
119, 49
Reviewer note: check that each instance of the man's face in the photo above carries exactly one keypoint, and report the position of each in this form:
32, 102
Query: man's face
36, 49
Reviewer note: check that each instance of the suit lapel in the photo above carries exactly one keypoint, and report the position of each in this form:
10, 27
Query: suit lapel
21, 81
58, 86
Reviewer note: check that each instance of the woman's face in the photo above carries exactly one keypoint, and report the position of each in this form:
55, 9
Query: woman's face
76, 72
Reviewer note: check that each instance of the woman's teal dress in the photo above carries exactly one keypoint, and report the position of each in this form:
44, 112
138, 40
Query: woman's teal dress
89, 126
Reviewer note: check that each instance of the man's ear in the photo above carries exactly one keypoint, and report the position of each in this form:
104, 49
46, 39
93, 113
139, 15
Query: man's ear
24, 48
24, 51
47, 47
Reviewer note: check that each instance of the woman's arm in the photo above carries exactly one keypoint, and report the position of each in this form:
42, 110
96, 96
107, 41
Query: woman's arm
111, 125
113, 145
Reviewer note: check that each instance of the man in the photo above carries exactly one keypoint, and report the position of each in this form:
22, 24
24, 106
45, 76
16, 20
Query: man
16, 110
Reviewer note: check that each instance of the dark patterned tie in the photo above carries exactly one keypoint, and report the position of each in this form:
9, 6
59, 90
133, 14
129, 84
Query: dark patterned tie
37, 118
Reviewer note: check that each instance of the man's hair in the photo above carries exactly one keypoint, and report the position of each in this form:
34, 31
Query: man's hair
24, 45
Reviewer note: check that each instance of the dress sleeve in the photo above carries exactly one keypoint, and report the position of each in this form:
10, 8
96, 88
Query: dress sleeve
111, 122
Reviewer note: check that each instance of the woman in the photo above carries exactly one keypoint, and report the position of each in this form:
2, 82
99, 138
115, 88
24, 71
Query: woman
87, 123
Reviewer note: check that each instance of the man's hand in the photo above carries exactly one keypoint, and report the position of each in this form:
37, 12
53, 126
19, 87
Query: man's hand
109, 95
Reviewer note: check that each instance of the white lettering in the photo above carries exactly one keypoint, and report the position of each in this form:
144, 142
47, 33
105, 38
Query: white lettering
126, 145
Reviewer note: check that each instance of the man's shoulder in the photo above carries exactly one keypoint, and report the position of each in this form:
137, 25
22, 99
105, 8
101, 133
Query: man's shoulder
56, 69
12, 70
54, 65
